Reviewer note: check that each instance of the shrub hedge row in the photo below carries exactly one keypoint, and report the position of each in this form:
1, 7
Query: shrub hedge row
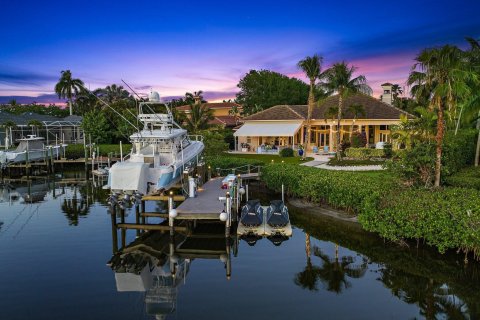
465, 178
364, 153
448, 218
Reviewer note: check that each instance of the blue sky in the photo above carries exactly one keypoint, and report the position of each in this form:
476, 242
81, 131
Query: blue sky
180, 46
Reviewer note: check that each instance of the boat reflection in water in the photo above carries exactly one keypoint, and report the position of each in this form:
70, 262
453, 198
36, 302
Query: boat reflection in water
30, 192
157, 263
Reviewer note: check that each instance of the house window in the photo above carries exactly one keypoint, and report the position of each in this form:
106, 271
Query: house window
384, 127
249, 140
386, 91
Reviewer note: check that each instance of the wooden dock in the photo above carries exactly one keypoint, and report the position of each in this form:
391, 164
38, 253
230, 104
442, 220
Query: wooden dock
206, 204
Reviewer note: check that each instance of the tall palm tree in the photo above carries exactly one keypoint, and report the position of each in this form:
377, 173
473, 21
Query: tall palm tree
396, 91
35, 125
112, 93
339, 78
68, 88
199, 117
356, 110
445, 73
312, 67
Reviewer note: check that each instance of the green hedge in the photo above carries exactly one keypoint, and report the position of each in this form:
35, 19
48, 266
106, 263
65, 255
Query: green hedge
446, 218
352, 191
465, 178
364, 153
458, 151
286, 153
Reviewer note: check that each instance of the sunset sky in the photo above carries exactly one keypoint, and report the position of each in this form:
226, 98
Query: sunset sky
180, 46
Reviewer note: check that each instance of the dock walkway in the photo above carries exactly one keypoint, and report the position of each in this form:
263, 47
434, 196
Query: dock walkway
206, 204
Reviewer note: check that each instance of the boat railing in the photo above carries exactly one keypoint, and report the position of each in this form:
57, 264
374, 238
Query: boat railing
195, 137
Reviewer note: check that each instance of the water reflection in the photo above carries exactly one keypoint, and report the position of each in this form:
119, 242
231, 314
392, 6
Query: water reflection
157, 263
440, 285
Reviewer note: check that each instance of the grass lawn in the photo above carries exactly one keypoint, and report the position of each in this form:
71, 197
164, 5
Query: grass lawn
267, 158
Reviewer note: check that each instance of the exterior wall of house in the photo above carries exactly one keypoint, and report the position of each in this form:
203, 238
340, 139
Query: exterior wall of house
323, 134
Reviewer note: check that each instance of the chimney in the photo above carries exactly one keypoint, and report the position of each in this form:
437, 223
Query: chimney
197, 98
387, 95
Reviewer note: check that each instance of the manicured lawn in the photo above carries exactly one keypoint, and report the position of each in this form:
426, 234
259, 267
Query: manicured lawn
267, 158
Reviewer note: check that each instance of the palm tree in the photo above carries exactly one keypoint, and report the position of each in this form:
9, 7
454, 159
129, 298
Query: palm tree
67, 88
12, 103
113, 93
35, 125
356, 110
199, 117
396, 91
195, 97
312, 67
339, 78
445, 73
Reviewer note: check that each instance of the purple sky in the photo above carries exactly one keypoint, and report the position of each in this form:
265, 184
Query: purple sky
174, 48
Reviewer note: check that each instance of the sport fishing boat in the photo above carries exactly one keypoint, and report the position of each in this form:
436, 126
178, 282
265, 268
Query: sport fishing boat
32, 148
161, 151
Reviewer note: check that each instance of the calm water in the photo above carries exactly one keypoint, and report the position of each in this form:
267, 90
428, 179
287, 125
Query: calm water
54, 252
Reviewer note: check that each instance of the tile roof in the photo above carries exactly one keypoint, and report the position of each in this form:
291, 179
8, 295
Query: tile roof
212, 105
228, 121
374, 109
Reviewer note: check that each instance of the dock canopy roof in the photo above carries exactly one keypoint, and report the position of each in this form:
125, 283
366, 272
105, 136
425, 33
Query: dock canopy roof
269, 129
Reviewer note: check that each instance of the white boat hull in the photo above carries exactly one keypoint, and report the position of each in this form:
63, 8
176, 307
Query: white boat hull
133, 176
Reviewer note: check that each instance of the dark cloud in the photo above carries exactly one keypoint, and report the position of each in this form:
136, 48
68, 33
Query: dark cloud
25, 78
42, 99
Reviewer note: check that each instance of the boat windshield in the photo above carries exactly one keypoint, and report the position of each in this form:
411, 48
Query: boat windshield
32, 145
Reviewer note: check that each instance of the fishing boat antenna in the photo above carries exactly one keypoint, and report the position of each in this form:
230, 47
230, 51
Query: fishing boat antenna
118, 113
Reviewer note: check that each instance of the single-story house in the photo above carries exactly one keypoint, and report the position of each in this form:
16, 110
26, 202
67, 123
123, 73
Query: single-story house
285, 125
67, 129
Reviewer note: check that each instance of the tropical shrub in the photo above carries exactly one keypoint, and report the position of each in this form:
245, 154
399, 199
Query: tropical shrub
387, 150
417, 165
341, 189
287, 152
364, 153
358, 140
465, 178
447, 219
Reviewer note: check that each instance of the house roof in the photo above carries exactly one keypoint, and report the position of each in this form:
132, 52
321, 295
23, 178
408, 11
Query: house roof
24, 118
212, 105
374, 109
386, 84
228, 121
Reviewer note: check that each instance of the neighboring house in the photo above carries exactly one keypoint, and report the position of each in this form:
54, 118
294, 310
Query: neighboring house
67, 130
387, 95
285, 125
221, 113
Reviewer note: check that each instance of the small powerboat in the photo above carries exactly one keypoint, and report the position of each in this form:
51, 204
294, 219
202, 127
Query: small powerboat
251, 219
277, 219
277, 214
252, 214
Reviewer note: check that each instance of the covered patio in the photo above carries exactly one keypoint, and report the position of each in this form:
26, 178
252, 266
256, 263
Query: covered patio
267, 136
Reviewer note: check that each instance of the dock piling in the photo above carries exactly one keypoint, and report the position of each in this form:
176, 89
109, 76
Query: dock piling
171, 214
